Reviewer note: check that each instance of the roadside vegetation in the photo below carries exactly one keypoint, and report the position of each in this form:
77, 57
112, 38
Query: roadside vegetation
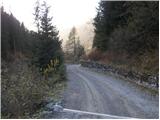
127, 35
32, 64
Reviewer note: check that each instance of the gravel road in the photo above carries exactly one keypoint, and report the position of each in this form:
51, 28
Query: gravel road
95, 92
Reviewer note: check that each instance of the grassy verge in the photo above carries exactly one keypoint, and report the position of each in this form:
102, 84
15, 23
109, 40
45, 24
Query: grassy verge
54, 96
24, 90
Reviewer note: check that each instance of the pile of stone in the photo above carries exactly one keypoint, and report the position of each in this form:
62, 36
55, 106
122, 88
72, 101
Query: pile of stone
151, 81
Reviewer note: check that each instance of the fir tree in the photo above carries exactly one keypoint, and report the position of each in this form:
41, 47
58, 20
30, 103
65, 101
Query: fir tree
49, 46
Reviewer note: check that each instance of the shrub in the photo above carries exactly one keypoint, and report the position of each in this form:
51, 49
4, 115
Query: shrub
95, 55
24, 88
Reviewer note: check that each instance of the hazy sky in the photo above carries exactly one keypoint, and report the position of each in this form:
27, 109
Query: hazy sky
66, 13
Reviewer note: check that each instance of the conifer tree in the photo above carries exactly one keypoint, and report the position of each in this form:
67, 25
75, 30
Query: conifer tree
71, 42
49, 46
73, 47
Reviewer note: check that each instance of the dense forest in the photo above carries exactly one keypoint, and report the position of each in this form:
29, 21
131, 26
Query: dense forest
127, 35
15, 37
32, 63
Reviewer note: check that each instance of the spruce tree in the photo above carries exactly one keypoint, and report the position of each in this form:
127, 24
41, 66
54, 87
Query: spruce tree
110, 15
49, 46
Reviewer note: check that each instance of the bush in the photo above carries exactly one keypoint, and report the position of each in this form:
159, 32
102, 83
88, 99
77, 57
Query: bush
146, 62
24, 89
95, 55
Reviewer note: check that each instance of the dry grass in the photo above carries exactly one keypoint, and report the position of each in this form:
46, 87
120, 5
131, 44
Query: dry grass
148, 62
24, 88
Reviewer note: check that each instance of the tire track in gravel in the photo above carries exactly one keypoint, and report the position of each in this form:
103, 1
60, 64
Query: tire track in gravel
94, 92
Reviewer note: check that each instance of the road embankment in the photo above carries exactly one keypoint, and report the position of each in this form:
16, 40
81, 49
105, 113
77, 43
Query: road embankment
145, 80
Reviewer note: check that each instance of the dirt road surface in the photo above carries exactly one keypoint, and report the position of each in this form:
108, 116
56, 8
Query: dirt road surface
99, 93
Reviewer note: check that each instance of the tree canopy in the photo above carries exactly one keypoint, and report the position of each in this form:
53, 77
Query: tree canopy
126, 26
